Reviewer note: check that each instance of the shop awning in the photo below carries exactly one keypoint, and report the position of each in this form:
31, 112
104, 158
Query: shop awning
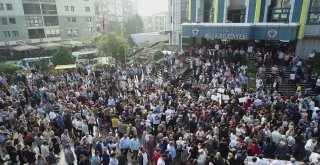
71, 43
24, 47
70, 66
49, 45
241, 31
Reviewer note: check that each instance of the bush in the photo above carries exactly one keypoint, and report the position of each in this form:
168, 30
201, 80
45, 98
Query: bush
63, 56
158, 55
100, 66
8, 68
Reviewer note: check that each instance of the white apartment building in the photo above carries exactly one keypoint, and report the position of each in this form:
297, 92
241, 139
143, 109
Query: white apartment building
35, 21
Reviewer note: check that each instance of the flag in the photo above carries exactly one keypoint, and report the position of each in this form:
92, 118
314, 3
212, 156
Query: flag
103, 24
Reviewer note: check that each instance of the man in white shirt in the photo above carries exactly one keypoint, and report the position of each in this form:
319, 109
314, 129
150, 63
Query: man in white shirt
44, 149
262, 161
254, 161
277, 162
276, 136
310, 145
314, 157
292, 161
312, 54
161, 160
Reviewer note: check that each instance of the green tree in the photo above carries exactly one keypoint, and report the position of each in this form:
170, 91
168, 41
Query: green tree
158, 55
114, 26
112, 45
8, 68
133, 25
63, 56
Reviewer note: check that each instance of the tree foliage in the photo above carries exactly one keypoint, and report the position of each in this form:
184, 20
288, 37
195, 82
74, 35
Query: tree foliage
133, 25
8, 68
158, 55
113, 45
63, 56
114, 27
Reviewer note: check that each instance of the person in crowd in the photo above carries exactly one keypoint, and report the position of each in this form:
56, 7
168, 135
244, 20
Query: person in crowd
96, 159
68, 153
134, 147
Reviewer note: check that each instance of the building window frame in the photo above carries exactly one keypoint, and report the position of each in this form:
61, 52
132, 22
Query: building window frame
6, 34
34, 21
54, 32
12, 20
66, 8
282, 14
241, 13
87, 9
314, 13
1, 6
89, 19
9, 6
71, 8
15, 33
89, 29
73, 19
4, 21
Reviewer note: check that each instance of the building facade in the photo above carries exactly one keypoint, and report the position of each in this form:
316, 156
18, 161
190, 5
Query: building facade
157, 22
178, 14
255, 22
100, 9
115, 10
130, 8
35, 21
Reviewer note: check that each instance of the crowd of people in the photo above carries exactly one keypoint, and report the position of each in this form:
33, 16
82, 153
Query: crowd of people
120, 114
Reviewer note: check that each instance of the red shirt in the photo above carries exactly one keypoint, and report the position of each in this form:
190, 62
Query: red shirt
156, 156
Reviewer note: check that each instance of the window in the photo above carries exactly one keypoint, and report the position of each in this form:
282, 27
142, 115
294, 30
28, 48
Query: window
1, 6
12, 20
207, 12
89, 29
89, 19
36, 33
53, 32
15, 33
34, 21
279, 11
236, 16
87, 9
6, 34
72, 8
30, 8
75, 32
4, 21
9, 6
50, 21
68, 19
74, 19
314, 12
49, 9
66, 8
72, 32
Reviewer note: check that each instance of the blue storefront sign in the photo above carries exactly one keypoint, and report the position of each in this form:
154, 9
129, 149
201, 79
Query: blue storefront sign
242, 31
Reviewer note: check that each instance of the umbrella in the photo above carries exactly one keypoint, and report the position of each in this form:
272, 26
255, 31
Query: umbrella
24, 47
49, 45
71, 43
